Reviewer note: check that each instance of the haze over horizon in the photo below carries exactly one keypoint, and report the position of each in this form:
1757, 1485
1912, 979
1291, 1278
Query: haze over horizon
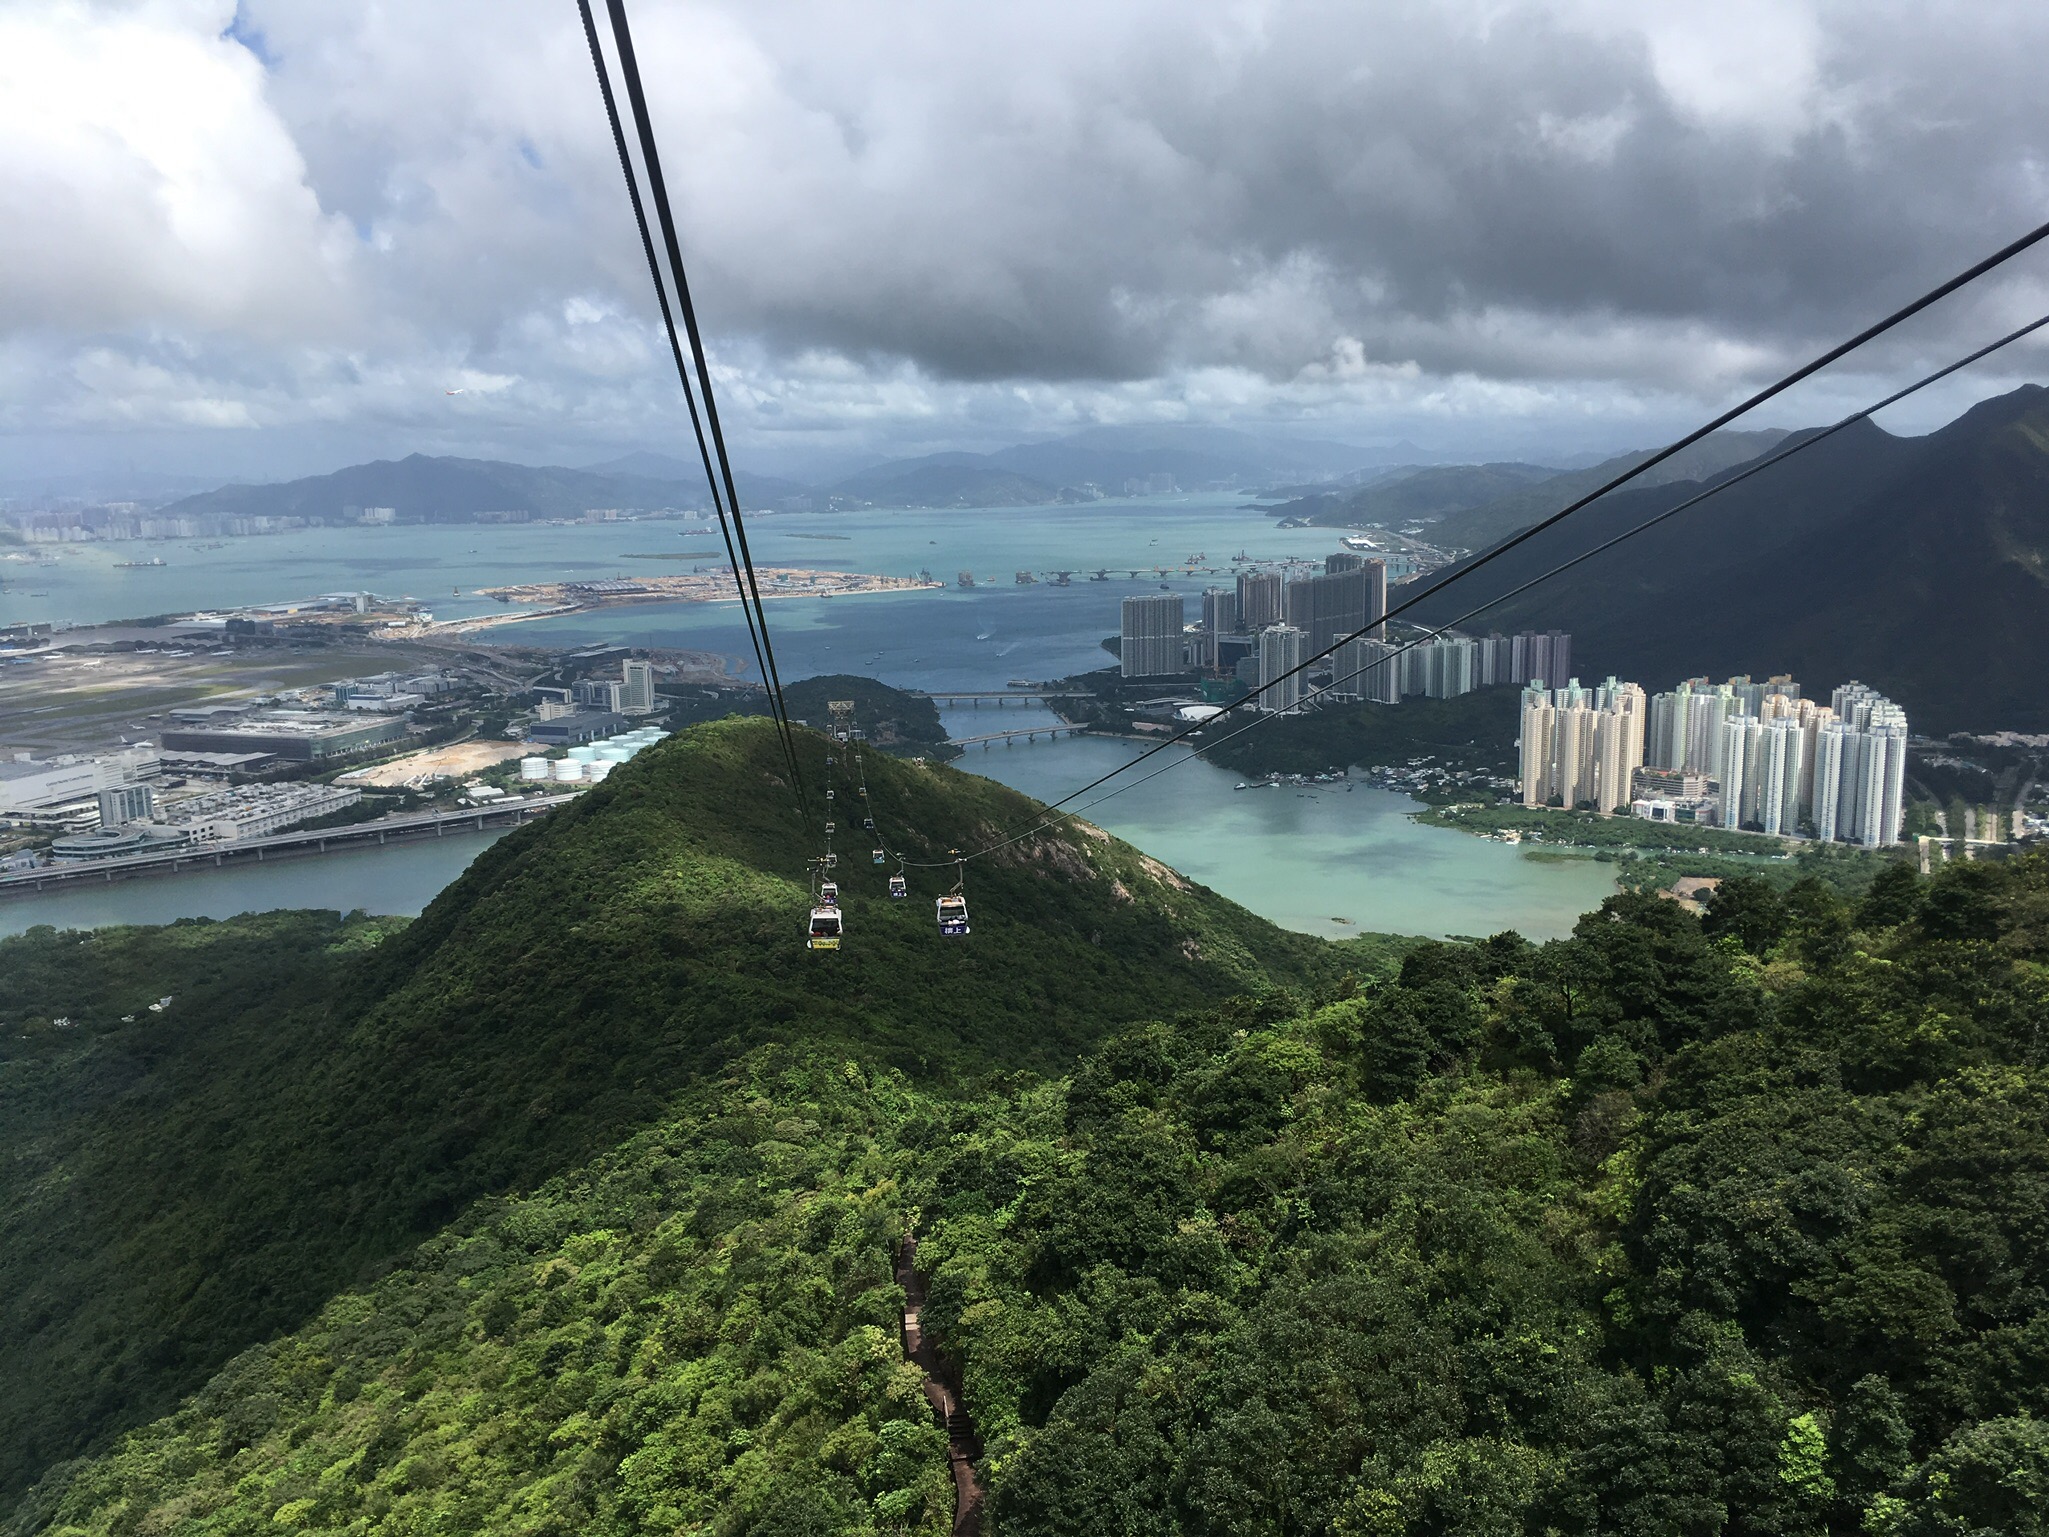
267, 240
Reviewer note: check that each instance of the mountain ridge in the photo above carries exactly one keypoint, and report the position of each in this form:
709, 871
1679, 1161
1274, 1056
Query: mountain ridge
1678, 1224
290, 1125
1913, 564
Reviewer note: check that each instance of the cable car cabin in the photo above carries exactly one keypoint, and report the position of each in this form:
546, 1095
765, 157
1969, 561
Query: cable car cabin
828, 795
864, 792
898, 887
826, 926
953, 915
829, 894
867, 824
832, 861
830, 829
878, 856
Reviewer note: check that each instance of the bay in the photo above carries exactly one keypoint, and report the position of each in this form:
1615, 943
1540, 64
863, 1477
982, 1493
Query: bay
1300, 858
399, 880
1303, 857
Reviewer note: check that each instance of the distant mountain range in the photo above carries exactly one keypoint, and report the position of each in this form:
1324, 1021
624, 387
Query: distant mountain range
420, 488
1917, 565
1472, 505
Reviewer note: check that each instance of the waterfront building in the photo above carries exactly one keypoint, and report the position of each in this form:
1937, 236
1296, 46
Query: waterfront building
31, 784
1282, 648
1366, 669
1219, 619
1150, 641
1329, 608
1580, 745
1259, 600
1782, 763
122, 804
1619, 716
256, 811
1539, 726
1452, 668
301, 738
637, 688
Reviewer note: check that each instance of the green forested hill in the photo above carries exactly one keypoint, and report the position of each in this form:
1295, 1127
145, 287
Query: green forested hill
314, 1101
1676, 1226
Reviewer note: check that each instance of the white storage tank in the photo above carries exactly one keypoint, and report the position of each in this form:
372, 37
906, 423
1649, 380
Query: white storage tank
598, 771
533, 768
613, 754
583, 754
568, 771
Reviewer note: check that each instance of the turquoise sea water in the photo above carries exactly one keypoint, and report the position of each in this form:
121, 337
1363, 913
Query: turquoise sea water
1301, 858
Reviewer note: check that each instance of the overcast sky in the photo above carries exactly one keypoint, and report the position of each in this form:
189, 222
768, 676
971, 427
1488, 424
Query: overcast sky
270, 239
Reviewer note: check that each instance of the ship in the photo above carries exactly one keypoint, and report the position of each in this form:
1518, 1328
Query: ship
965, 579
138, 565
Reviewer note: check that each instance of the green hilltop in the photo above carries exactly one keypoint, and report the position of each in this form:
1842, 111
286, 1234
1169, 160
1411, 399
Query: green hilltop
321, 1094
574, 1205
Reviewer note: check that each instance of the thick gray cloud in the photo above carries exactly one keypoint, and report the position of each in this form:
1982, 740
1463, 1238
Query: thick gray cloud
929, 222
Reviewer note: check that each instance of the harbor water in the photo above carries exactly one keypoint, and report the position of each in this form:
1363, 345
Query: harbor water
1305, 858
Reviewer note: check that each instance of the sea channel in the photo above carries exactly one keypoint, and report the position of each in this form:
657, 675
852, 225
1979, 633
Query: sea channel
1304, 857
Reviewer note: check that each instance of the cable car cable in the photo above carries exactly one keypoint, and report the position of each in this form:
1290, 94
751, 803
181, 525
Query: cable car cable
654, 268
622, 37
740, 559
1905, 312
1758, 467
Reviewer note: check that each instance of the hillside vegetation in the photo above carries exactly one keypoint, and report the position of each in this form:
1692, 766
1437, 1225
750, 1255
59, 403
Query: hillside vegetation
321, 1095
1677, 1226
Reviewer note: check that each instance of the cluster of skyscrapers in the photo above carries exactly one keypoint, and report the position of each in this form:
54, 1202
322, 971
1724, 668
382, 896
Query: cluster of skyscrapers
1735, 754
1266, 626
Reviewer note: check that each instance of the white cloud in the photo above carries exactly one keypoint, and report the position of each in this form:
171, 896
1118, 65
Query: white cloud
928, 220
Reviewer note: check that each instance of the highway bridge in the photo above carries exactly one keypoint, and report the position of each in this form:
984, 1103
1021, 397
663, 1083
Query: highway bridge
1009, 738
287, 845
1002, 696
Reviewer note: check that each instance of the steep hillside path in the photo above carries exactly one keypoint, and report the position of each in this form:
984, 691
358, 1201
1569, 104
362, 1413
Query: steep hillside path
942, 1391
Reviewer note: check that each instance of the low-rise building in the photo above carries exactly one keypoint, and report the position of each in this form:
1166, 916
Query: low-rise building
256, 811
575, 729
298, 737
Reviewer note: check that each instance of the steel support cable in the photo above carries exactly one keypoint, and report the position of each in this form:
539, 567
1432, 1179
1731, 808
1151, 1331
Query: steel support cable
654, 268
737, 558
629, 68
1758, 467
1906, 312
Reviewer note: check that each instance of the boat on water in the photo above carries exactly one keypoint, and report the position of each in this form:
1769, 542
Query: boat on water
986, 635
138, 565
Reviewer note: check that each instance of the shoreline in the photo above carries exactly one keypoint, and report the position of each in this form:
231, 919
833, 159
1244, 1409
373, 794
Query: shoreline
643, 599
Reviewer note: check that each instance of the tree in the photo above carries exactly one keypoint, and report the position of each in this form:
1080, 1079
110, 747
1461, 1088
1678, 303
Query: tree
1747, 910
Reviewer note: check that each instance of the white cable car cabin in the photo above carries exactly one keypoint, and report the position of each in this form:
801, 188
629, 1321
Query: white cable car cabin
898, 887
878, 856
826, 926
953, 915
829, 894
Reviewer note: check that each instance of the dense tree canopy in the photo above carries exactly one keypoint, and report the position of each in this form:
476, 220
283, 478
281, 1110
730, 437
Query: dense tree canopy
1724, 1225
